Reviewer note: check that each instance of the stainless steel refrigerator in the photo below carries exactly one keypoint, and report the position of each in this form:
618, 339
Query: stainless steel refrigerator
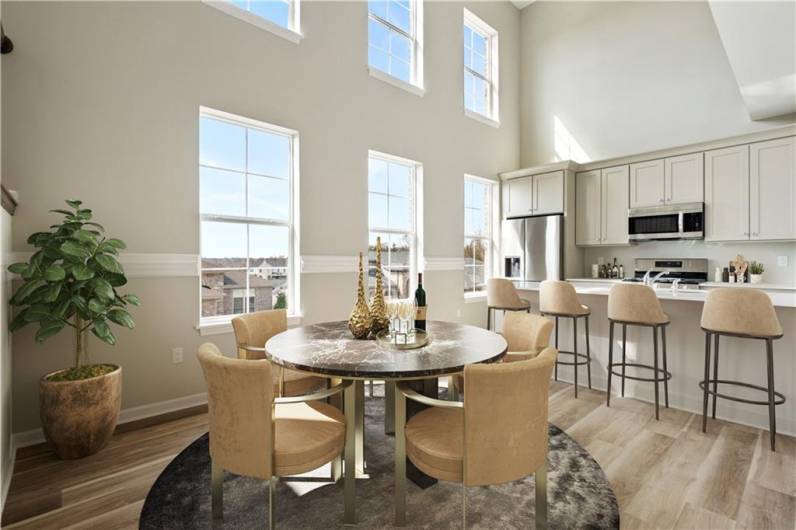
533, 248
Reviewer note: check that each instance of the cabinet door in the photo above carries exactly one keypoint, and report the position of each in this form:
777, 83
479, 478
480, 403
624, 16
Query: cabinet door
587, 207
727, 194
646, 184
548, 193
518, 198
614, 205
772, 193
685, 179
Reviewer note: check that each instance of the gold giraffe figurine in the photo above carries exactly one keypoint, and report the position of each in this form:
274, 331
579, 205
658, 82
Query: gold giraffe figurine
359, 322
378, 309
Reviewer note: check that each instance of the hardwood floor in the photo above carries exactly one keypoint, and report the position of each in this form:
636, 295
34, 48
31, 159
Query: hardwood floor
666, 474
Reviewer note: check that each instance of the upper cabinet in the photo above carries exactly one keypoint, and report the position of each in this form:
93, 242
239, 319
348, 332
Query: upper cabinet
727, 194
534, 195
772, 189
601, 203
674, 180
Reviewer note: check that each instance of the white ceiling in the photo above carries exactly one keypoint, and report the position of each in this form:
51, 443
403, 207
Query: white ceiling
760, 41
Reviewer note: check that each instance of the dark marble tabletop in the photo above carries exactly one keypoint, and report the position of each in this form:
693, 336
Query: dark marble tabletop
328, 348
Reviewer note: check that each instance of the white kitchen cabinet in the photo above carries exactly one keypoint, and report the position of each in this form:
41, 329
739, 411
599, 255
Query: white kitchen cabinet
601, 204
772, 189
518, 197
548, 193
647, 184
684, 179
588, 207
534, 195
727, 194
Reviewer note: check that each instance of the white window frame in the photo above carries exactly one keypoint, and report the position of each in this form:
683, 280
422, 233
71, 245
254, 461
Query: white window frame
222, 323
416, 85
489, 238
291, 33
416, 205
492, 69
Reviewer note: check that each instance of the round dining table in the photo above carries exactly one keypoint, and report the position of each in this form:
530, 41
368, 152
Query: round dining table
329, 349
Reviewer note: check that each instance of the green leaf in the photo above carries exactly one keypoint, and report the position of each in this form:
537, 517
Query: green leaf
80, 303
101, 228
103, 289
18, 268
55, 273
48, 329
116, 243
109, 263
60, 310
84, 236
73, 248
74, 203
95, 305
132, 299
52, 292
26, 290
103, 332
106, 247
84, 215
19, 321
81, 272
37, 313
39, 239
65, 212
116, 280
121, 317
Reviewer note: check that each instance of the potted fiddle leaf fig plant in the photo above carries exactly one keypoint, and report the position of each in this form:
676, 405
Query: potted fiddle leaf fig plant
71, 282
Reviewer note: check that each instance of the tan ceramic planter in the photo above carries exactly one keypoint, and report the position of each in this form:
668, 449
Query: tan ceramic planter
78, 417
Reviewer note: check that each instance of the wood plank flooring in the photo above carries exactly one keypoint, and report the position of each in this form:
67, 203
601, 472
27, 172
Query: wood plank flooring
666, 474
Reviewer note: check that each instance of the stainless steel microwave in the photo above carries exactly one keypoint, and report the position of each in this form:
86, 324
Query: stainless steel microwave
673, 221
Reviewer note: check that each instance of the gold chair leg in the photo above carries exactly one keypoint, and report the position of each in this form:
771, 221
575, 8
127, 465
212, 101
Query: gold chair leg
400, 459
464, 506
360, 426
540, 477
453, 392
389, 407
336, 468
271, 500
217, 493
349, 474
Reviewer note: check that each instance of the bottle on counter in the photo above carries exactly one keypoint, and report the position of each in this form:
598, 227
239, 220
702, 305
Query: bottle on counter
718, 275
420, 304
725, 275
621, 272
615, 270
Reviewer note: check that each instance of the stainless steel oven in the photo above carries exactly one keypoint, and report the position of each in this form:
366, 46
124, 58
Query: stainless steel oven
676, 221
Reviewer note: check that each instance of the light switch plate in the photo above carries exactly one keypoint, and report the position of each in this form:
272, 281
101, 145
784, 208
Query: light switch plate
176, 355
782, 261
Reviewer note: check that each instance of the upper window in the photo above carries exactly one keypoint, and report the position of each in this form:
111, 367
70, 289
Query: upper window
277, 16
478, 199
394, 30
392, 216
480, 67
247, 171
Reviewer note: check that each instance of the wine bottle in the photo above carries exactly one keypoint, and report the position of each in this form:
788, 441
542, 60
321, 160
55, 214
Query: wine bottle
420, 304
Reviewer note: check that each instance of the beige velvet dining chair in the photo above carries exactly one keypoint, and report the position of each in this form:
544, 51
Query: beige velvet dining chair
252, 331
252, 433
497, 435
501, 295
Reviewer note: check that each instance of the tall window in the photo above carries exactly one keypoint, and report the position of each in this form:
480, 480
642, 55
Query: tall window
478, 198
392, 208
247, 175
480, 67
394, 29
281, 17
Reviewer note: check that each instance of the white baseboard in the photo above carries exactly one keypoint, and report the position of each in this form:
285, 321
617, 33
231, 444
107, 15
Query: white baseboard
36, 436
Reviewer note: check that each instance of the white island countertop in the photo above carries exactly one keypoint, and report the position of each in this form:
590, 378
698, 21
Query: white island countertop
781, 295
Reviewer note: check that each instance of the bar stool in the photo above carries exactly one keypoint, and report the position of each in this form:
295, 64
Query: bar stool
559, 300
637, 305
502, 295
748, 314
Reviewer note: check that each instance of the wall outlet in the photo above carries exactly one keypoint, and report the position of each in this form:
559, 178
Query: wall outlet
176, 355
459, 312
782, 261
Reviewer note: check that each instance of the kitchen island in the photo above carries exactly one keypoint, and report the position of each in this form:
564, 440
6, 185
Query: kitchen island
741, 359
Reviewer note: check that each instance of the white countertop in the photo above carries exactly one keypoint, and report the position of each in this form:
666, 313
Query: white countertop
781, 296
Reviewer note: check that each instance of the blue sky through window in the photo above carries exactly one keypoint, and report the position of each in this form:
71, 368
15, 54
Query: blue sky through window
390, 37
276, 11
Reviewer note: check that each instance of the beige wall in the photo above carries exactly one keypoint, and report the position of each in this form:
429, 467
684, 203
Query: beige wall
101, 103
624, 78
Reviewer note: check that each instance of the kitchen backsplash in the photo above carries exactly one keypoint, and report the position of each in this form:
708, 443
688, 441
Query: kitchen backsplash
718, 255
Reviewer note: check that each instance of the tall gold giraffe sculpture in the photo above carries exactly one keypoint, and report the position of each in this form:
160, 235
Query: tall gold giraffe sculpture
378, 309
359, 322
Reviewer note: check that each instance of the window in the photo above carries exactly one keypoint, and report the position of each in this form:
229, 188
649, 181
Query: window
277, 16
394, 30
247, 173
478, 200
392, 215
480, 68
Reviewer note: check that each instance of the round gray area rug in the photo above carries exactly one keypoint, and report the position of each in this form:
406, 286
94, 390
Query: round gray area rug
579, 495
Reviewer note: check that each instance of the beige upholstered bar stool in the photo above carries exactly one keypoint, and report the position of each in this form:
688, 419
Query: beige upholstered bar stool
252, 331
637, 305
502, 295
748, 314
559, 300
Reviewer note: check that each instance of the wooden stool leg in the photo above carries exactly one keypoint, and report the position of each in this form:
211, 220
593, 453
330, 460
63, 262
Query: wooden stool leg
610, 362
588, 352
655, 363
624, 356
556, 369
772, 415
665, 369
706, 382
575, 352
715, 375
